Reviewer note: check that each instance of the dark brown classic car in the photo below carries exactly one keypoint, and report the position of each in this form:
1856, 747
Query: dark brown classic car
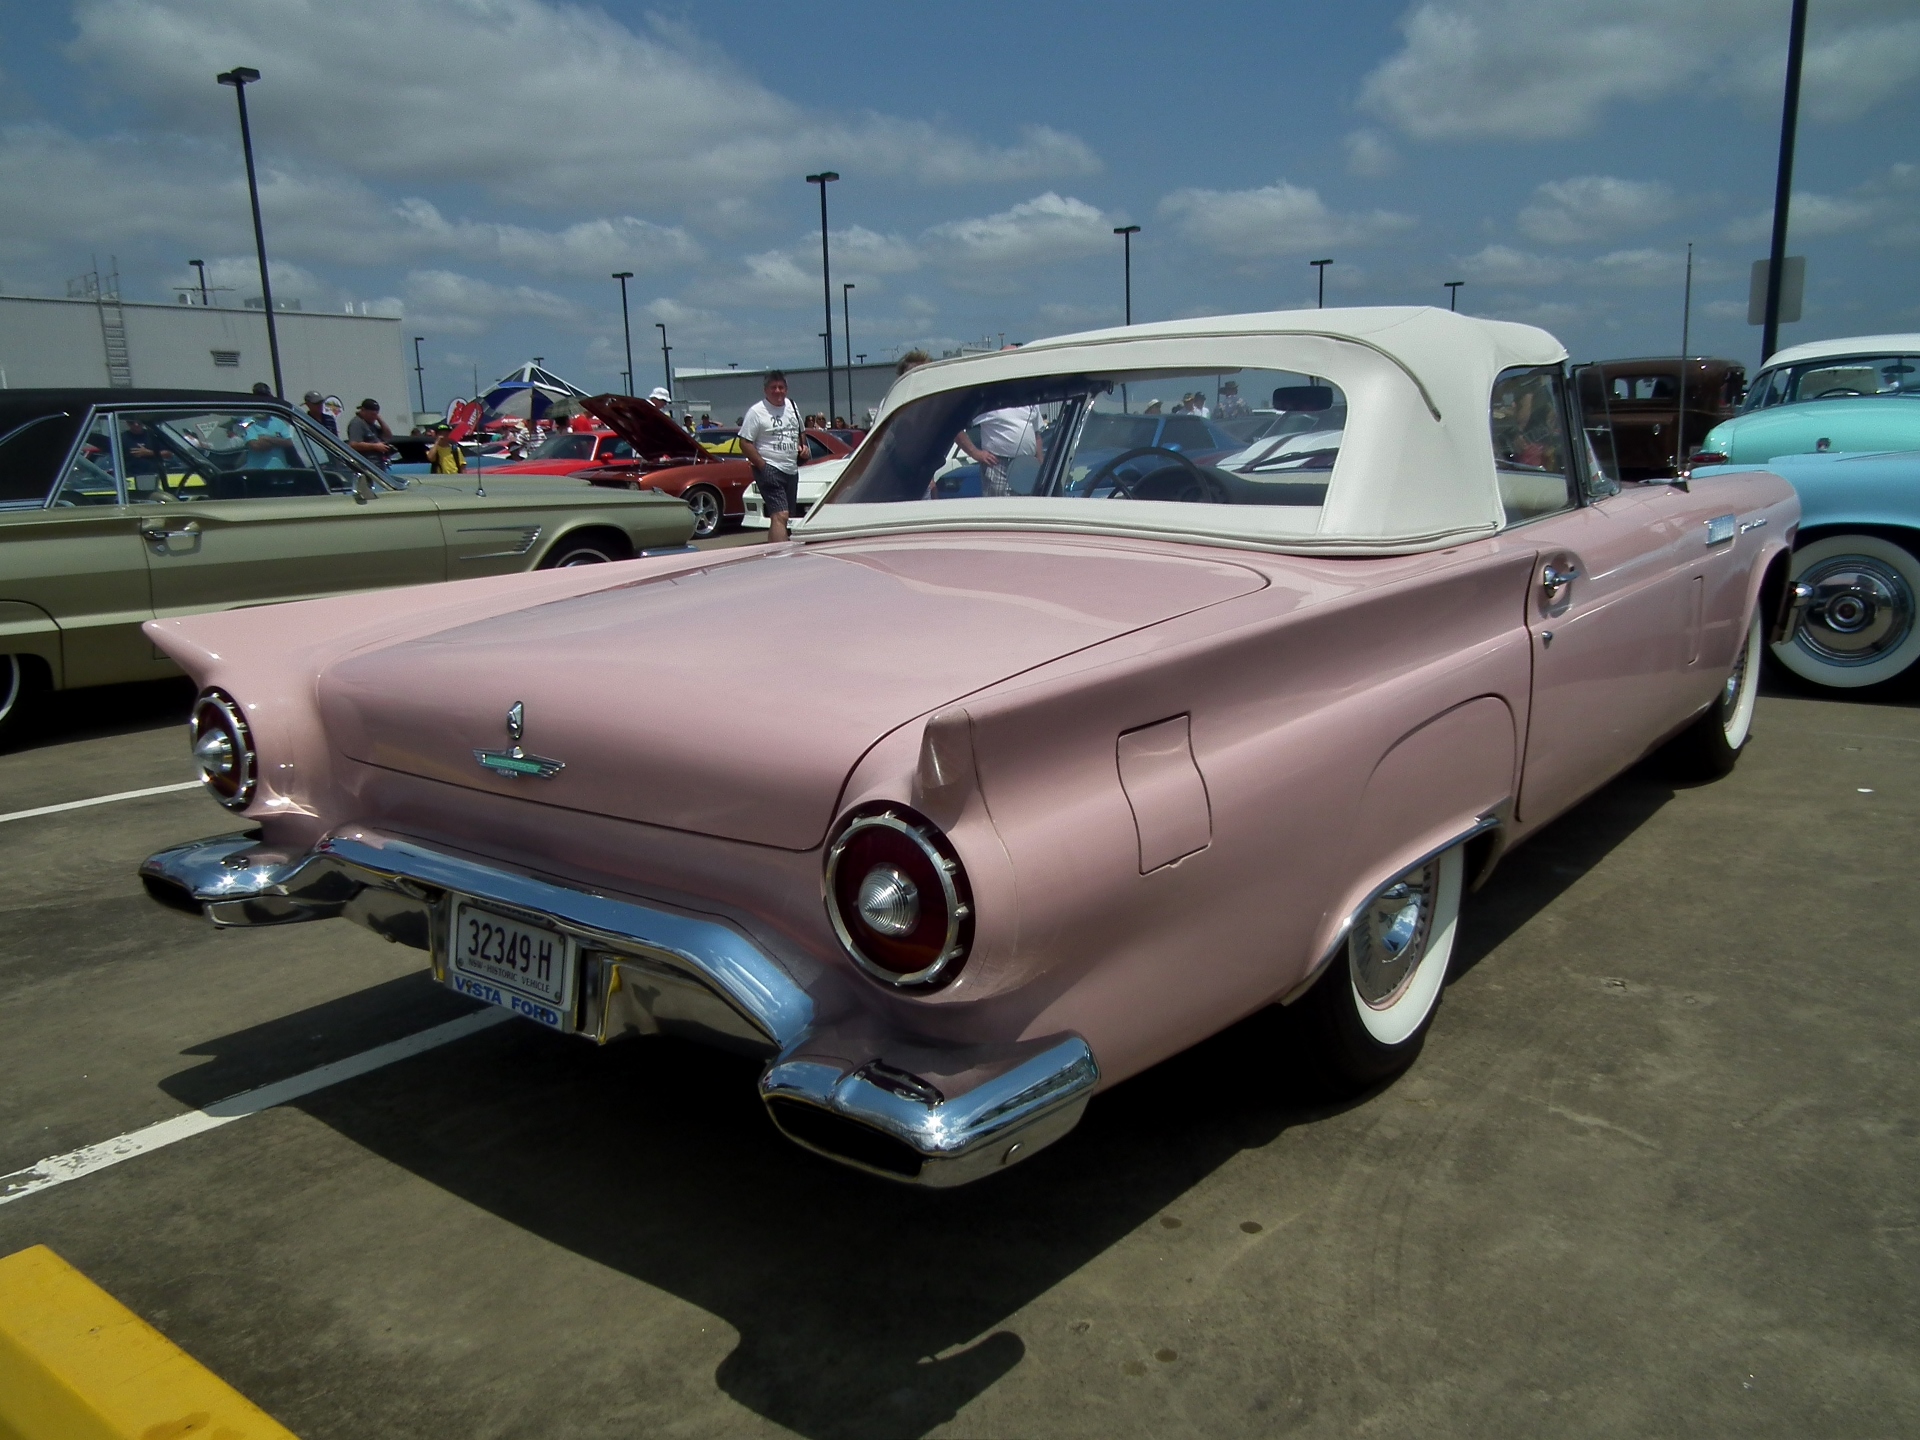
1639, 400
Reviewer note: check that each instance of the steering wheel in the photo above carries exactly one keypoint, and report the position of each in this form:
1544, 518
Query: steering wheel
1838, 392
1124, 489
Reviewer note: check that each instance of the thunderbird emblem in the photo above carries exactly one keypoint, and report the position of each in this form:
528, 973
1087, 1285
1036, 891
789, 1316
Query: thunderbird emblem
516, 762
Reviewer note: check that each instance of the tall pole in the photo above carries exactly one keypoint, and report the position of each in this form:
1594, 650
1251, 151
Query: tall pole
1453, 293
1320, 269
239, 78
419, 371
846, 337
1686, 340
826, 277
666, 358
1783, 183
201, 266
626, 326
1126, 234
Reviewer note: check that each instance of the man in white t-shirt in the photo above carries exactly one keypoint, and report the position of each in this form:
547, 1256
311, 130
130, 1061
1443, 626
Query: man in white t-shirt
1004, 435
770, 436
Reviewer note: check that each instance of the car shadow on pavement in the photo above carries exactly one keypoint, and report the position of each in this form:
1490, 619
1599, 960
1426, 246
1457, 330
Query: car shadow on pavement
1534, 874
863, 1308
104, 710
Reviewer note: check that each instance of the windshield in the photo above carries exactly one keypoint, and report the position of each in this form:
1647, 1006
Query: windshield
1837, 379
1182, 435
563, 447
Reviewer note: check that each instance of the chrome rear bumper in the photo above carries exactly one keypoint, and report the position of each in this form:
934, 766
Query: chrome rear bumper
647, 969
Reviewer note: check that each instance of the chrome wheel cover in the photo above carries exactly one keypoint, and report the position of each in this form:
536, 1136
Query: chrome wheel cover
583, 556
1862, 610
706, 512
1390, 937
11, 680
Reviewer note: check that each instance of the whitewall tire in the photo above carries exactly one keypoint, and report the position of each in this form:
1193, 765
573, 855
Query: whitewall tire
1862, 626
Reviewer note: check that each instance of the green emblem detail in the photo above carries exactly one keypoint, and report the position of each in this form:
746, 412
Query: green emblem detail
516, 762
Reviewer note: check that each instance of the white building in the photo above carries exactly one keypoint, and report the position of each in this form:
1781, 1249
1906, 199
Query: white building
49, 343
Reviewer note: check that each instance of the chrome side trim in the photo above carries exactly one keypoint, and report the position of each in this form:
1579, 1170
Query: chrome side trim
998, 1122
1494, 819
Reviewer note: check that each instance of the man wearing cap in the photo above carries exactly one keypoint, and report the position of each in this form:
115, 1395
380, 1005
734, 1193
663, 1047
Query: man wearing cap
662, 400
369, 434
316, 407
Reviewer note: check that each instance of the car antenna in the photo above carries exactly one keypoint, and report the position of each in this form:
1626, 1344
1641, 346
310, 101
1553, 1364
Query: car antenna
480, 472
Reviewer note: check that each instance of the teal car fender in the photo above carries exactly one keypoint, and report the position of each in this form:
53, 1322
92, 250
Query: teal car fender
1853, 425
1880, 491
1857, 560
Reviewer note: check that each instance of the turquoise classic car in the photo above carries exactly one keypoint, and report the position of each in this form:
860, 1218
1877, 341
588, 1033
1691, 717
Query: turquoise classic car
1856, 395
1858, 555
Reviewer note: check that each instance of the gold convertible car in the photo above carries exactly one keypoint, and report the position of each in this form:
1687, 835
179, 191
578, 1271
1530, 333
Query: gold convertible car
117, 506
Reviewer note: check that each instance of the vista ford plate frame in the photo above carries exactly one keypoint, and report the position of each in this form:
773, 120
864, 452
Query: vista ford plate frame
517, 964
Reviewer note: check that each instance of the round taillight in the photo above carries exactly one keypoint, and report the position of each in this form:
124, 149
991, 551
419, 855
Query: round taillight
223, 749
898, 898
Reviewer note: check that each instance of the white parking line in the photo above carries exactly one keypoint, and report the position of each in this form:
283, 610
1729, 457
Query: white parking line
101, 800
58, 1169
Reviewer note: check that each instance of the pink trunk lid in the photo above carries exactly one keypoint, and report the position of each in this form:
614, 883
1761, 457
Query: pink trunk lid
733, 701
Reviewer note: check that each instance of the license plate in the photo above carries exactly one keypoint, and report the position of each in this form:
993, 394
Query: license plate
522, 967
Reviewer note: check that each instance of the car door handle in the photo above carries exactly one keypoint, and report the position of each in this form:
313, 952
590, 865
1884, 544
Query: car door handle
163, 533
1555, 578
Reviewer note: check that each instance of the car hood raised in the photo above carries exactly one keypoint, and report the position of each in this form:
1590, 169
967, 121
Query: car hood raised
734, 700
654, 436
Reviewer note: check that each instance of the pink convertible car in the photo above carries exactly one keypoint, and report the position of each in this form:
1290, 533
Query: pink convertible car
979, 797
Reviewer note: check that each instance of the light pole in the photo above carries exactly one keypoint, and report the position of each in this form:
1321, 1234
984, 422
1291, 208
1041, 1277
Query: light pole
826, 276
419, 372
1126, 234
1453, 293
1783, 184
666, 358
846, 336
201, 266
239, 78
1320, 267
626, 328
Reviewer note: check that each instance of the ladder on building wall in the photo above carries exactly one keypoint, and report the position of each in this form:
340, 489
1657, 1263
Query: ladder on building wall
104, 291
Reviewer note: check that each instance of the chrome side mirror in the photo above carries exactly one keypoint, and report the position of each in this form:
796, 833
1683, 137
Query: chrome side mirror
362, 488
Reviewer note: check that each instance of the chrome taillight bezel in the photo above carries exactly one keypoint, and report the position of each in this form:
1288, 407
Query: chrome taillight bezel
217, 713
954, 893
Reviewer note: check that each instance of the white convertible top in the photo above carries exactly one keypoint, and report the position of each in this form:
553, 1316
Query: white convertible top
1415, 469
1849, 345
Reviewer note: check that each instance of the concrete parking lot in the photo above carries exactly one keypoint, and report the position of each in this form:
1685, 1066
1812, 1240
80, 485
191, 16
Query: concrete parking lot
1657, 1172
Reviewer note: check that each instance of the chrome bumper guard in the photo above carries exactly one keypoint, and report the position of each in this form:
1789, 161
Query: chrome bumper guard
645, 969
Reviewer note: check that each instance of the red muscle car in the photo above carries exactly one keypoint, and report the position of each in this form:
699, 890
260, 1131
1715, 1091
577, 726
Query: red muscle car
712, 485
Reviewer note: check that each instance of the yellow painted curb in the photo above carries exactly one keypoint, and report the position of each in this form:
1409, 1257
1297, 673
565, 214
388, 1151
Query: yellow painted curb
76, 1364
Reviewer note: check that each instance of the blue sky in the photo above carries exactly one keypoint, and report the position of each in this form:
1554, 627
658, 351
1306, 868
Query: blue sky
483, 165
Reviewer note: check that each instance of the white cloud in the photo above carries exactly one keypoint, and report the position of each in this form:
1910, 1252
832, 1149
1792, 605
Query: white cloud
858, 250
591, 248
1046, 228
450, 303
1369, 153
1271, 220
1521, 69
542, 101
1808, 215
1637, 267
1503, 265
1594, 207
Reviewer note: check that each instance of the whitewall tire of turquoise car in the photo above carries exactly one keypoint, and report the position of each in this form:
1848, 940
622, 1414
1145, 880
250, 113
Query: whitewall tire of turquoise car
1862, 624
